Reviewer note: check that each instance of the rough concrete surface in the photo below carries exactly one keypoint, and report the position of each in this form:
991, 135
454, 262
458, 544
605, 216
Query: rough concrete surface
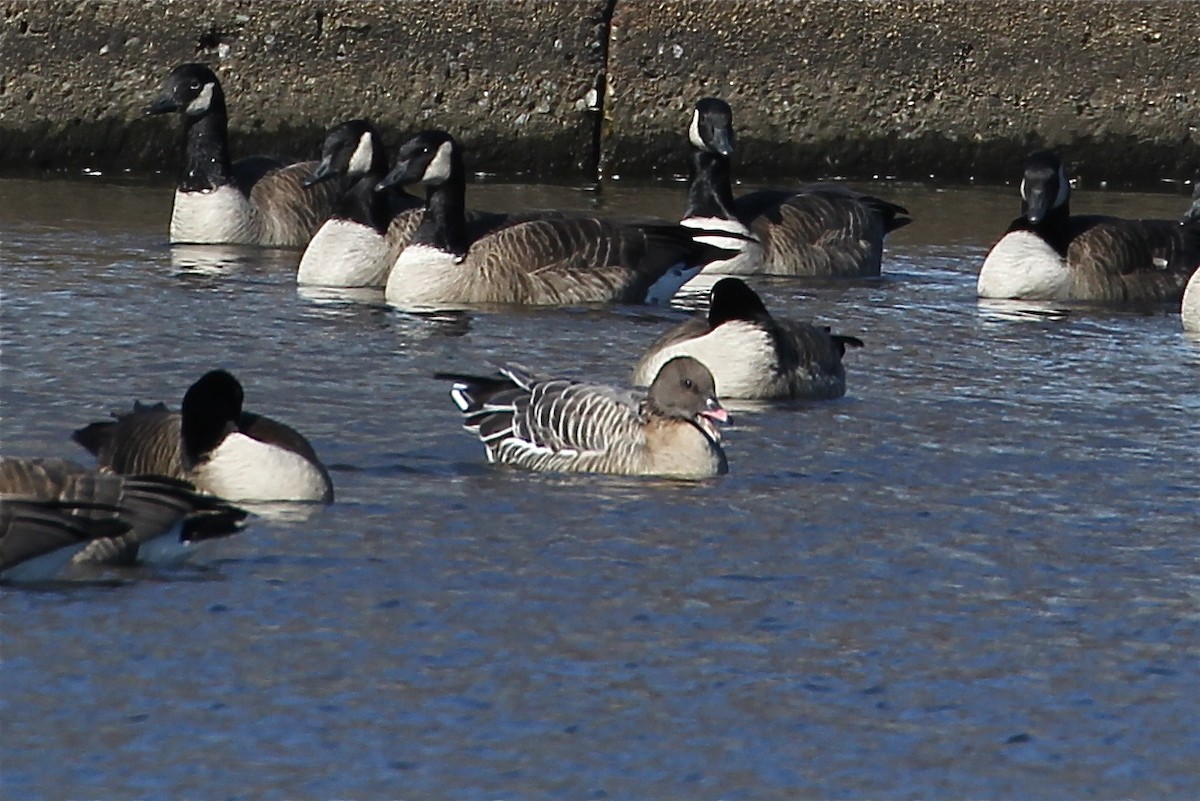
910, 88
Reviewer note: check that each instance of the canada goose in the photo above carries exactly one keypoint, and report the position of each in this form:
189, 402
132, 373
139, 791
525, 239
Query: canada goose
1190, 308
819, 230
556, 424
752, 354
257, 200
54, 510
553, 258
358, 245
1047, 254
214, 444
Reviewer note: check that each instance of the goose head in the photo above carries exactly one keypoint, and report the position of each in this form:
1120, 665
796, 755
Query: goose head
191, 89
712, 127
351, 149
732, 299
210, 410
1045, 186
684, 389
431, 158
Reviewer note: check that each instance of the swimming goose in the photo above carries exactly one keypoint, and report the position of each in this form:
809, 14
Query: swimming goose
752, 354
818, 230
557, 424
1190, 308
214, 444
257, 200
1047, 254
358, 245
54, 510
552, 258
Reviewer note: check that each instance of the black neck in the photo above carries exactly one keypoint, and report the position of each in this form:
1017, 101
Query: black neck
709, 194
206, 149
363, 205
444, 224
1054, 228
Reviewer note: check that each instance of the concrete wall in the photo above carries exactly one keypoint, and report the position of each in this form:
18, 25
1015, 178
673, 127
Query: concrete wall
907, 88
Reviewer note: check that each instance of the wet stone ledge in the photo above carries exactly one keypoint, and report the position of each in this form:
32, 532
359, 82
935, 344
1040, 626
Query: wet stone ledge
957, 90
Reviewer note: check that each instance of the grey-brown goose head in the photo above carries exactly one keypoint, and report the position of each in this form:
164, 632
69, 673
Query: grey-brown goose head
353, 149
684, 389
192, 90
1045, 188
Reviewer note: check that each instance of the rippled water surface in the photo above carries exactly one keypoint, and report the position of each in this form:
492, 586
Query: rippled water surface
975, 576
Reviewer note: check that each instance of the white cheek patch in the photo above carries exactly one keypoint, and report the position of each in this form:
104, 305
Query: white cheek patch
199, 107
694, 132
438, 171
1023, 195
360, 162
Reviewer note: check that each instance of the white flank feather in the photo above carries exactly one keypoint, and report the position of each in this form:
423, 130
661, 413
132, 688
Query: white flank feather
1022, 265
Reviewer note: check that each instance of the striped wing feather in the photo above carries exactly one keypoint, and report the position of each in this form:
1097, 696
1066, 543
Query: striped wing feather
820, 231
144, 441
290, 213
566, 260
1114, 259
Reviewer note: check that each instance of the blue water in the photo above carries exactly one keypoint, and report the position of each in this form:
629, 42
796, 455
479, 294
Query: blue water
975, 576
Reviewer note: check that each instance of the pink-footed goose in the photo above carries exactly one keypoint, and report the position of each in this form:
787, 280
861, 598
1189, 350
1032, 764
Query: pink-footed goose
752, 354
558, 424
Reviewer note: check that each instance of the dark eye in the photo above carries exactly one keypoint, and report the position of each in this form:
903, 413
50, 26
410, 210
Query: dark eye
195, 85
688, 384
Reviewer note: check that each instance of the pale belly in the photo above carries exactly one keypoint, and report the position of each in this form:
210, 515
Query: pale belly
220, 216
345, 254
1022, 265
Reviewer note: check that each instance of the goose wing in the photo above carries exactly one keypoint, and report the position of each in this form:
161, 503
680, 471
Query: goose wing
1133, 259
521, 417
822, 230
117, 512
567, 259
146, 440
290, 213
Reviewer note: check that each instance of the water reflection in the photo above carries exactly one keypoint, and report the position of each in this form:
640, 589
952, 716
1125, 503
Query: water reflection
224, 260
1021, 310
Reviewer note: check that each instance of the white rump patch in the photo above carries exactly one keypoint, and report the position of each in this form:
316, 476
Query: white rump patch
1023, 265
438, 171
669, 283
360, 162
199, 107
